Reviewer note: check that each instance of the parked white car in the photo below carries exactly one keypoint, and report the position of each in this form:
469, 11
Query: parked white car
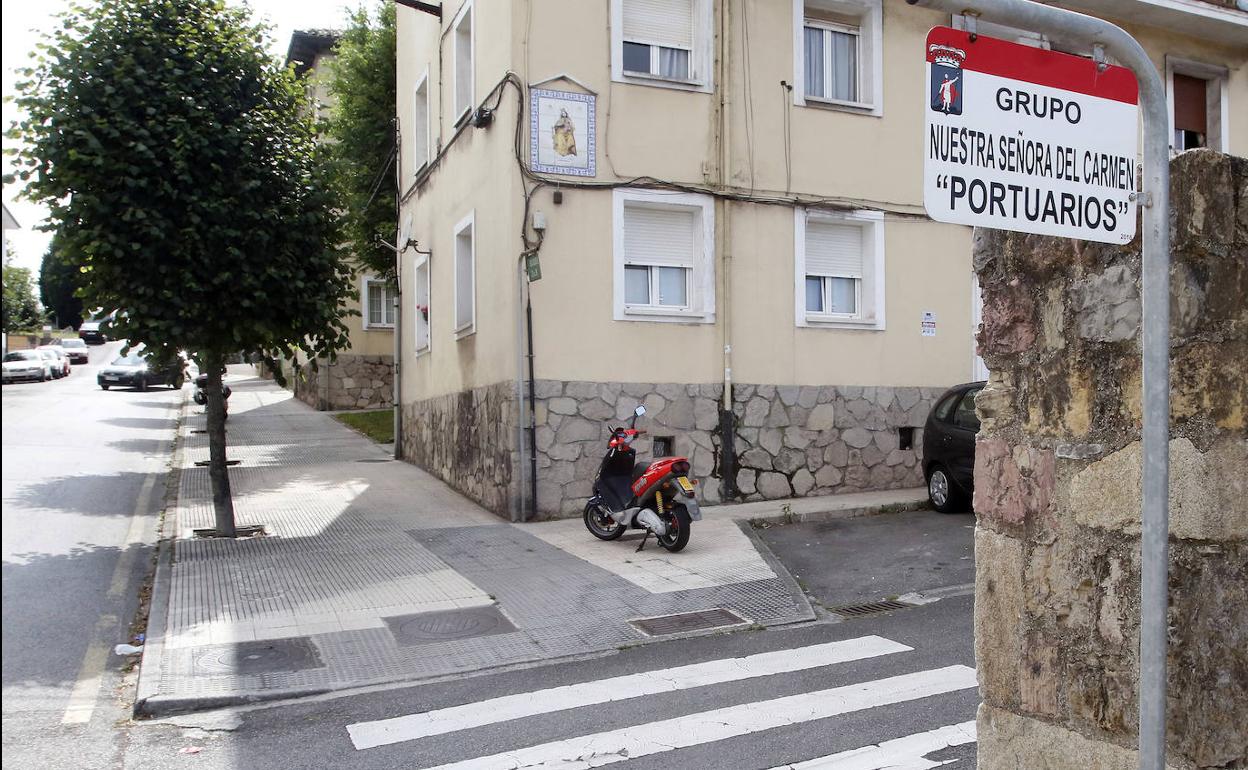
26, 365
62, 365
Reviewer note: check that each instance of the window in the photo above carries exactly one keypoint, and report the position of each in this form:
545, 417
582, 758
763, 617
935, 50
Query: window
1197, 96
837, 47
421, 306
420, 123
840, 268
964, 416
379, 299
465, 277
661, 42
464, 74
664, 256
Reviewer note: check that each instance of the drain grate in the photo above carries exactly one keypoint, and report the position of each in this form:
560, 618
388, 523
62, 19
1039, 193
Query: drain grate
685, 622
870, 608
266, 657
447, 626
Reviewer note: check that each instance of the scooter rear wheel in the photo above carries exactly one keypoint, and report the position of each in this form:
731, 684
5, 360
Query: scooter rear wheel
678, 526
600, 524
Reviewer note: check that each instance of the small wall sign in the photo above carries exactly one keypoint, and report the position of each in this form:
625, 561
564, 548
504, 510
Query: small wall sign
927, 326
562, 132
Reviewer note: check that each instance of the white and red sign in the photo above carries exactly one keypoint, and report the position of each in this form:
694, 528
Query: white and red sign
1020, 138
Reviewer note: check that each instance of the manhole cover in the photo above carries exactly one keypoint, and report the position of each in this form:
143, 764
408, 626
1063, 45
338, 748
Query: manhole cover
870, 608
429, 627
263, 657
688, 621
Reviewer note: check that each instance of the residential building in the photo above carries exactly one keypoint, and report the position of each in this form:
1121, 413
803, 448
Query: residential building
724, 202
362, 375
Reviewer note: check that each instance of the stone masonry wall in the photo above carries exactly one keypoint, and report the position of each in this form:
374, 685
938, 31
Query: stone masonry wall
351, 382
790, 440
468, 440
1057, 489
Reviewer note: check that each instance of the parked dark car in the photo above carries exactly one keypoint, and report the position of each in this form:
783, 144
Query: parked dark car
140, 372
949, 448
76, 349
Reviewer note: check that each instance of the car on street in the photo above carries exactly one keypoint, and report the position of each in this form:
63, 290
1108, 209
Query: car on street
949, 448
56, 365
26, 365
62, 358
139, 371
76, 349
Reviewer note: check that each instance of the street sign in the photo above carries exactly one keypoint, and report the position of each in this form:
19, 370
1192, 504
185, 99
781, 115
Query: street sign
532, 267
1020, 138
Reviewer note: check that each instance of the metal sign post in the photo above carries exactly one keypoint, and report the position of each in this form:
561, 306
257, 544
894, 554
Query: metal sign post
1106, 38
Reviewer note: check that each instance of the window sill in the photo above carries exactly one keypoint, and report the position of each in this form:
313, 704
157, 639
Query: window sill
656, 81
467, 331
843, 322
650, 313
856, 108
421, 353
378, 327
463, 117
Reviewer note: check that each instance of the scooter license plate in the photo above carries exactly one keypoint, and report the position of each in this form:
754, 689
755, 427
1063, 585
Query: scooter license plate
684, 483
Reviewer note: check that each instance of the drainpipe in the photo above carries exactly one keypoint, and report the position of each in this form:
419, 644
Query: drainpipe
723, 230
398, 293
524, 402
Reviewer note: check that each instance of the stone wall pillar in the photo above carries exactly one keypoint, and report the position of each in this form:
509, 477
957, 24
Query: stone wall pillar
1057, 475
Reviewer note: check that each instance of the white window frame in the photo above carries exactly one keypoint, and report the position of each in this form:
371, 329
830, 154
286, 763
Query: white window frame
870, 306
700, 62
422, 152
1220, 101
700, 290
366, 283
870, 15
459, 112
422, 263
467, 223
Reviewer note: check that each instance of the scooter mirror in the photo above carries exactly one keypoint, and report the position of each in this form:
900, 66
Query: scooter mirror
639, 411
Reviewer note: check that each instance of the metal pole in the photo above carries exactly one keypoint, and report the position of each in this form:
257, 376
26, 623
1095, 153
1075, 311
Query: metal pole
1155, 198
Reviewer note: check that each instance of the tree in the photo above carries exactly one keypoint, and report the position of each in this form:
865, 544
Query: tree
361, 132
21, 311
60, 275
180, 163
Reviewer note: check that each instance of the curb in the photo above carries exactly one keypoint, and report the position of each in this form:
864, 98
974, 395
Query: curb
800, 599
834, 514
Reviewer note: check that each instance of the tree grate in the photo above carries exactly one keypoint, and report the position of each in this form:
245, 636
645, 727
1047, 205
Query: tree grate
870, 608
685, 622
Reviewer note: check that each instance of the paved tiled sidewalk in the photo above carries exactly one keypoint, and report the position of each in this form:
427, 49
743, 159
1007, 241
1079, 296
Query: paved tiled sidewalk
372, 571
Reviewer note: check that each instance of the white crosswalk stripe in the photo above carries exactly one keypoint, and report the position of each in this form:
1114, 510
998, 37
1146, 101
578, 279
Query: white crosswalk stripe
905, 753
701, 728
494, 710
719, 724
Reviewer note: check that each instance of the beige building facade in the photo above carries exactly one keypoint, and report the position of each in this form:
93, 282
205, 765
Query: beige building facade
361, 376
730, 230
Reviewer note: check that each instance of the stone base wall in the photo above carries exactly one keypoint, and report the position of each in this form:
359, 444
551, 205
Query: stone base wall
468, 440
351, 382
1057, 489
789, 441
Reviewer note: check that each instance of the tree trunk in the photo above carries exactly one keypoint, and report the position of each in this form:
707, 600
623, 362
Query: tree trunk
218, 472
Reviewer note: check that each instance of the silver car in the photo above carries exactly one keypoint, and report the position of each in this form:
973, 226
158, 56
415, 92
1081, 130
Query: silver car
26, 365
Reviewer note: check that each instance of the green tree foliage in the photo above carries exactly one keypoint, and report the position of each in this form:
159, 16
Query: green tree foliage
361, 128
180, 163
21, 311
60, 275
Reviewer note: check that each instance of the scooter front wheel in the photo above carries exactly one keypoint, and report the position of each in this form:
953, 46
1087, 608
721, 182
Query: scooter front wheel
600, 524
678, 526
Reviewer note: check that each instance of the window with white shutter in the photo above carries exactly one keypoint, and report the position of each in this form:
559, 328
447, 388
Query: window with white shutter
464, 71
465, 277
840, 268
664, 265
378, 304
661, 42
420, 312
837, 54
420, 123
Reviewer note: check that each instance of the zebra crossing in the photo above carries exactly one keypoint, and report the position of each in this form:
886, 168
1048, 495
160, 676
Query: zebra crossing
667, 737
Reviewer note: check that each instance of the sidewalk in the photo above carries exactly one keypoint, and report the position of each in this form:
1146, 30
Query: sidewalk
372, 571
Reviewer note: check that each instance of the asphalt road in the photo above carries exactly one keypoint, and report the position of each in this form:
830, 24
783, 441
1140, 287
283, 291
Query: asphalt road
83, 478
793, 705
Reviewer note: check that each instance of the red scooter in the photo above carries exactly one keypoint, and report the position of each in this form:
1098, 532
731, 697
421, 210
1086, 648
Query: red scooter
657, 496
